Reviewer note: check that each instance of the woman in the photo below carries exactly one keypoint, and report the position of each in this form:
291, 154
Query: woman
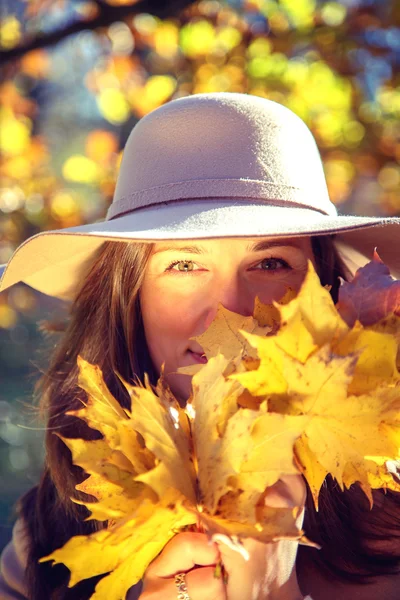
222, 198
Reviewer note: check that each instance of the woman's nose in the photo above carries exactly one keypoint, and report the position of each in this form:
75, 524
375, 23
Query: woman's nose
234, 295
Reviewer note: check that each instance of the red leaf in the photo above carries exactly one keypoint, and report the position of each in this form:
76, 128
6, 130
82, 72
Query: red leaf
371, 296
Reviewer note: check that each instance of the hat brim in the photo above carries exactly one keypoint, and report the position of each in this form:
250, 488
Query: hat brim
52, 261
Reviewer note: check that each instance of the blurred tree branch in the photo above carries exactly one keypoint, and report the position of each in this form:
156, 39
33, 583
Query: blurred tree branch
104, 15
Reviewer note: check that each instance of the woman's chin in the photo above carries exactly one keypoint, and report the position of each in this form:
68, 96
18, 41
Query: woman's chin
181, 387
180, 384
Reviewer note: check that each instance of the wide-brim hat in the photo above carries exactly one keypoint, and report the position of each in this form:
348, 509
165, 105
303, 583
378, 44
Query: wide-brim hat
209, 166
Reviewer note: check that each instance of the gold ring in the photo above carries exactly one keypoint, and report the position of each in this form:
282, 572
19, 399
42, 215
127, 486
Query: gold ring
180, 583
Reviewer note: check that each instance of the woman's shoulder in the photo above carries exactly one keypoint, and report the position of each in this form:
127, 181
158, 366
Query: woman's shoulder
13, 563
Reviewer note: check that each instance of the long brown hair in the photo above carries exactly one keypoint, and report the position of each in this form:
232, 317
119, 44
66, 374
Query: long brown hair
105, 327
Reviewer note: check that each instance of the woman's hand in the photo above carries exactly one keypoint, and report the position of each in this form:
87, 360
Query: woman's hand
269, 574
189, 553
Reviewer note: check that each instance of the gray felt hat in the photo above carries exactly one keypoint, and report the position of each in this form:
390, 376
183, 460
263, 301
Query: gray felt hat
208, 166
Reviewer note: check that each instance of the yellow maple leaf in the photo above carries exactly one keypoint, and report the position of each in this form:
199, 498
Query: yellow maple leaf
310, 320
268, 315
245, 449
127, 549
224, 335
168, 443
377, 353
156, 471
342, 379
273, 435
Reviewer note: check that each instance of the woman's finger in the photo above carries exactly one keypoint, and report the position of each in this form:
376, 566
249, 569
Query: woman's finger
182, 553
201, 584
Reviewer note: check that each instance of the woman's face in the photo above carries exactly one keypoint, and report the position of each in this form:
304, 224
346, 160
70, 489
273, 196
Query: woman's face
185, 282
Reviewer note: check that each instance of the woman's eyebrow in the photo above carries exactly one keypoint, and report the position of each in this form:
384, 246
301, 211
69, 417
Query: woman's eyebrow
191, 249
266, 244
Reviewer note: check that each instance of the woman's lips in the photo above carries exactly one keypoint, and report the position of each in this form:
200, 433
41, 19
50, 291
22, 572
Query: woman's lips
199, 358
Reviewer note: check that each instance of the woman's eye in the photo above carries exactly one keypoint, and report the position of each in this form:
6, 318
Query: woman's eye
184, 266
273, 264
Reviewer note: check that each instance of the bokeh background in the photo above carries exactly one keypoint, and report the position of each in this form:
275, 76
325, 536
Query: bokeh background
77, 75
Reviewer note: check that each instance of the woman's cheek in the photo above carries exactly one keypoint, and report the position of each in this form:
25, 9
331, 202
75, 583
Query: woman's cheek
274, 290
188, 307
168, 328
178, 317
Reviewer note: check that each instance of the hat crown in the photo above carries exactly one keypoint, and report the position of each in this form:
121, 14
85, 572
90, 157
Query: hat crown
221, 145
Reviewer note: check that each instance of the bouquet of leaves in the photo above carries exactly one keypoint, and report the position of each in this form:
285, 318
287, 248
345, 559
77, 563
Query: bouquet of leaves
303, 386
